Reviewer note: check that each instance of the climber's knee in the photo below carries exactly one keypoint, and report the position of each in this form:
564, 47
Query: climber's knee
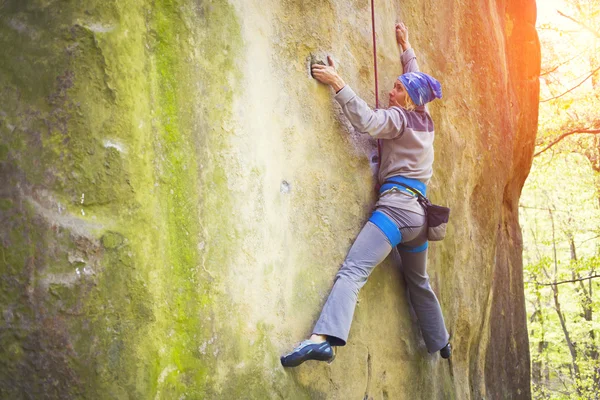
353, 274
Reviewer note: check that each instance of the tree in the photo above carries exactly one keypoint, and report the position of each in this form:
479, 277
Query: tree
560, 217
570, 82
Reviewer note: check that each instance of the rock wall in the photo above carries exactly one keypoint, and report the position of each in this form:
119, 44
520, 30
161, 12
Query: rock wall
177, 194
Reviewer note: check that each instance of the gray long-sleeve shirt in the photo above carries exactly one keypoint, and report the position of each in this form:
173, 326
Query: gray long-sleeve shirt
407, 145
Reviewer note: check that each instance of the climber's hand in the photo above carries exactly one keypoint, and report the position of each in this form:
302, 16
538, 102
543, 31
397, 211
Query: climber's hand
402, 36
328, 75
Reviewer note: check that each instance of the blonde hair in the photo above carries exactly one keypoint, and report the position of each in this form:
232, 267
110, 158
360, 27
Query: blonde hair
409, 104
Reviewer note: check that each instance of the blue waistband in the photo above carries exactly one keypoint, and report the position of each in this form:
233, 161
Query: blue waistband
414, 183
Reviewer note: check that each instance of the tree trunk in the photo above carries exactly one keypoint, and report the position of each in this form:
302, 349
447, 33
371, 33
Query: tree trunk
575, 371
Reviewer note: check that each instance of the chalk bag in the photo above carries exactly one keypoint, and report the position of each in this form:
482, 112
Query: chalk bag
437, 221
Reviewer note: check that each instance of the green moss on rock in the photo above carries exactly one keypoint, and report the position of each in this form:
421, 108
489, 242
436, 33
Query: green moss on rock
111, 249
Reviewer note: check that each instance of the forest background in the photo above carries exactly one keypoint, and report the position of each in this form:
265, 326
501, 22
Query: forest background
560, 206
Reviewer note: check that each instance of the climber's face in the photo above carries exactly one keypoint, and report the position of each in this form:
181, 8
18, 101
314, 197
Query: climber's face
398, 95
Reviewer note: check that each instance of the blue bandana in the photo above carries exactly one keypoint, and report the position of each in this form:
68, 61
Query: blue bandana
421, 87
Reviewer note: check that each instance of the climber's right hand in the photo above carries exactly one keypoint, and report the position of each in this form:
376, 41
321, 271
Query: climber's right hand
402, 36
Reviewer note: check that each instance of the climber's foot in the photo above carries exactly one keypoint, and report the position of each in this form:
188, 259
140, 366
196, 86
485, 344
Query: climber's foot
308, 350
446, 351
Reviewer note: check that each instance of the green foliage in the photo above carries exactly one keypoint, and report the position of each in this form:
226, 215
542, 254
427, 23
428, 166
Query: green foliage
570, 79
560, 219
560, 213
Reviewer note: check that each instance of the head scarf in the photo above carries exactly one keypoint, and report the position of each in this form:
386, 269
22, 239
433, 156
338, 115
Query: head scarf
421, 87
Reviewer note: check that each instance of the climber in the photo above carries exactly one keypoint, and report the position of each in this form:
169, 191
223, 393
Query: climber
398, 222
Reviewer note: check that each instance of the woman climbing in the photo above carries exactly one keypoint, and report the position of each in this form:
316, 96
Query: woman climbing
399, 220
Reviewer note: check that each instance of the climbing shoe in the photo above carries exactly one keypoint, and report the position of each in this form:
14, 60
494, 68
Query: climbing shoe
446, 351
308, 350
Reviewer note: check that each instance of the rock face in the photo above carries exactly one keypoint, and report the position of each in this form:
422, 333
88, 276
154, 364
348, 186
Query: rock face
177, 194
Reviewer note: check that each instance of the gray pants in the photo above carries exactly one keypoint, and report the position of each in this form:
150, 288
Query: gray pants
371, 248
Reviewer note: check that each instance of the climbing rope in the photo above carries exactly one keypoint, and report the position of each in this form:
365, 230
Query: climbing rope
376, 81
374, 53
